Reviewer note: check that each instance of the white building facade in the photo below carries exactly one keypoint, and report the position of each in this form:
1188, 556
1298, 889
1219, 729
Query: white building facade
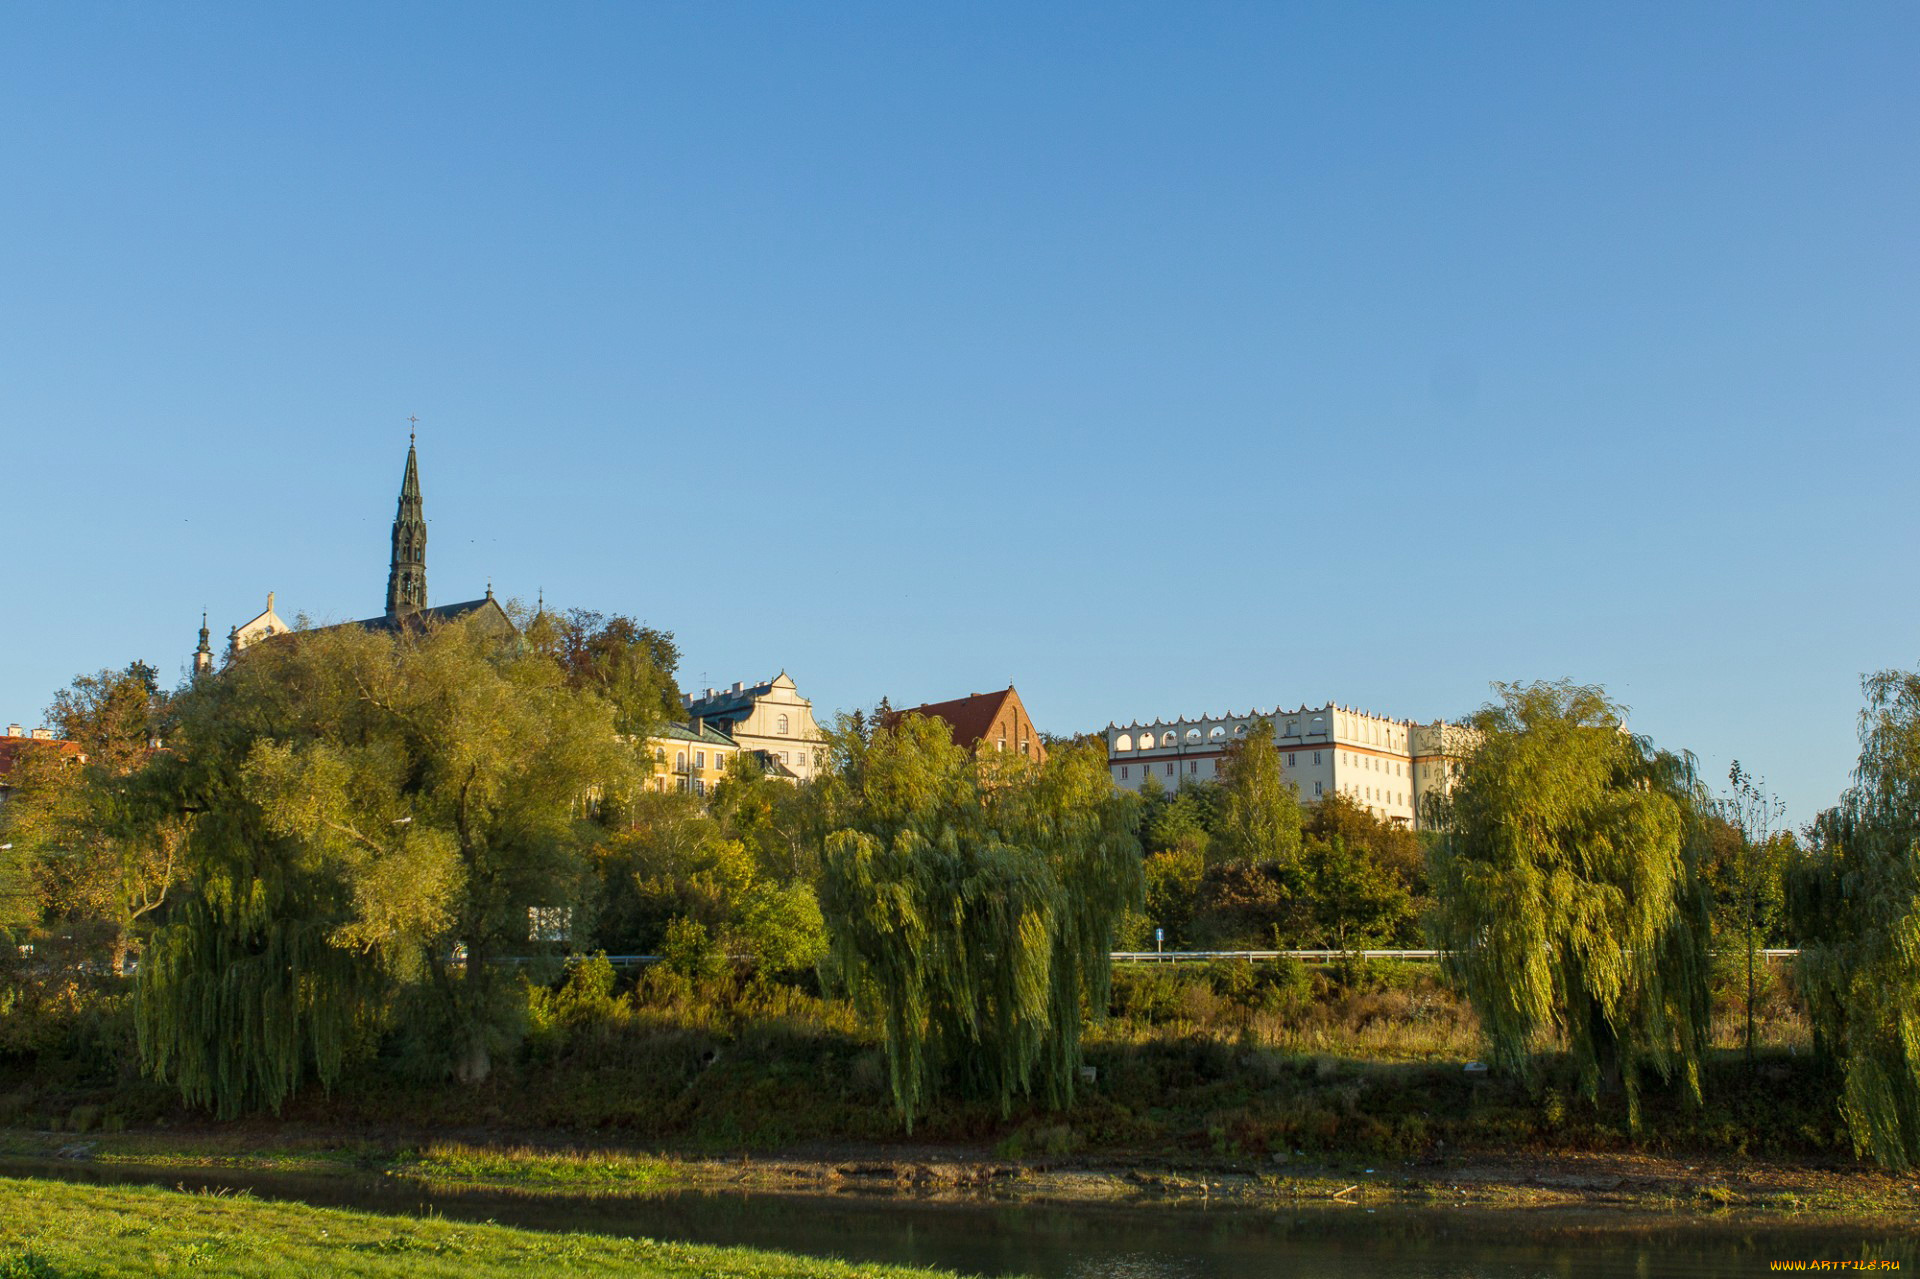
770, 718
1385, 765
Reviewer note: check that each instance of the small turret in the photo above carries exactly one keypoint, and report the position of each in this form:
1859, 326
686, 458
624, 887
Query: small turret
202, 656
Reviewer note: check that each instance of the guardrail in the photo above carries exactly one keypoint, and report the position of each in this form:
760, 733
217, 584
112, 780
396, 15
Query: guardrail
1325, 956
1146, 956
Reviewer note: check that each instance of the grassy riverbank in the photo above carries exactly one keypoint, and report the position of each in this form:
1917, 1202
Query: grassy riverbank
50, 1230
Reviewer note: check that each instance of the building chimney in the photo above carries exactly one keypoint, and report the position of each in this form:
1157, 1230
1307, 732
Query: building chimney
14, 730
739, 685
42, 734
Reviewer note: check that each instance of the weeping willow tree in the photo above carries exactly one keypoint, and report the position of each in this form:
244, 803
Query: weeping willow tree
374, 819
1855, 908
972, 907
1568, 895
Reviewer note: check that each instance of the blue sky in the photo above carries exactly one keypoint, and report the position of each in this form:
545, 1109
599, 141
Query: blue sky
1159, 359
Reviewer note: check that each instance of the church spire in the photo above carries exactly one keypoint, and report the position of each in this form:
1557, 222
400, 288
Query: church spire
407, 579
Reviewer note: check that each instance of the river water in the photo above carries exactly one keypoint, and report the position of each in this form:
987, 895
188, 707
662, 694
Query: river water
1107, 1241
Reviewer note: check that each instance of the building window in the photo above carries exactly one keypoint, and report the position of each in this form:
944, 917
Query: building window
699, 786
1193, 766
1289, 760
781, 729
699, 759
1316, 790
1169, 770
1123, 772
680, 760
1316, 759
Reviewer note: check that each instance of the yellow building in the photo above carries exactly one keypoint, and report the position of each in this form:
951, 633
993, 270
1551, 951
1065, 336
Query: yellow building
690, 757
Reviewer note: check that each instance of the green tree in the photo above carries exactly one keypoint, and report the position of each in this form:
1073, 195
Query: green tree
1179, 820
630, 665
1172, 891
1356, 901
1259, 813
1855, 908
777, 820
1567, 890
972, 908
84, 863
364, 808
1747, 856
677, 867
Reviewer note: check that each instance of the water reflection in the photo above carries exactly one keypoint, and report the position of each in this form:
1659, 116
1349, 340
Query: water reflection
1107, 1242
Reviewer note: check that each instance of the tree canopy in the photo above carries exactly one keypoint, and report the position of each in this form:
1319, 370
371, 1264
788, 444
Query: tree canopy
1259, 813
972, 905
362, 809
1567, 889
1855, 901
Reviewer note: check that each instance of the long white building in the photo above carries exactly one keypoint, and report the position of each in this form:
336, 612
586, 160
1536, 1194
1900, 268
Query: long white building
1385, 765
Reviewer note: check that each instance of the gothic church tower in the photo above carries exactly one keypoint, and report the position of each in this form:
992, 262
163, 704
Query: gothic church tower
407, 579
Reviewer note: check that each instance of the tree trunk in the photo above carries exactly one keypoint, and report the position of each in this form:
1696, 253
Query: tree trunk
1751, 1068
475, 1062
1606, 1052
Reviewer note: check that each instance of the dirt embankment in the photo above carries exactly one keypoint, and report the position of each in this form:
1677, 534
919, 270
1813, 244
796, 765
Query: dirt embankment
536, 1162
1598, 1182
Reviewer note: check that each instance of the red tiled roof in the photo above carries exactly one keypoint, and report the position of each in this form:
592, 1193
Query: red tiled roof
13, 748
968, 717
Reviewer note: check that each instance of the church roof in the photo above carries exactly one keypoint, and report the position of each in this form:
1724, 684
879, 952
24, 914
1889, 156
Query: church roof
438, 613
969, 717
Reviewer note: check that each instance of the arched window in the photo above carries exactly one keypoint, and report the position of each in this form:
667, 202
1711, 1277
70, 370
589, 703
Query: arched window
1168, 740
1217, 732
680, 760
1124, 742
1239, 730
1193, 734
781, 731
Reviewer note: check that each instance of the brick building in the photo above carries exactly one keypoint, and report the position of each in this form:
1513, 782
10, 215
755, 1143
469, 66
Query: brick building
987, 722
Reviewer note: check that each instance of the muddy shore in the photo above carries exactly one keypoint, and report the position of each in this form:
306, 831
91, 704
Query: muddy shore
1613, 1185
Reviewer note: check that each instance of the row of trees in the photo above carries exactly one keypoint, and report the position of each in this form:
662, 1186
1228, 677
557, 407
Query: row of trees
350, 842
345, 835
1580, 874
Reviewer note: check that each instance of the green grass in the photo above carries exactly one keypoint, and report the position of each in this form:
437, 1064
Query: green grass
52, 1230
538, 1171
